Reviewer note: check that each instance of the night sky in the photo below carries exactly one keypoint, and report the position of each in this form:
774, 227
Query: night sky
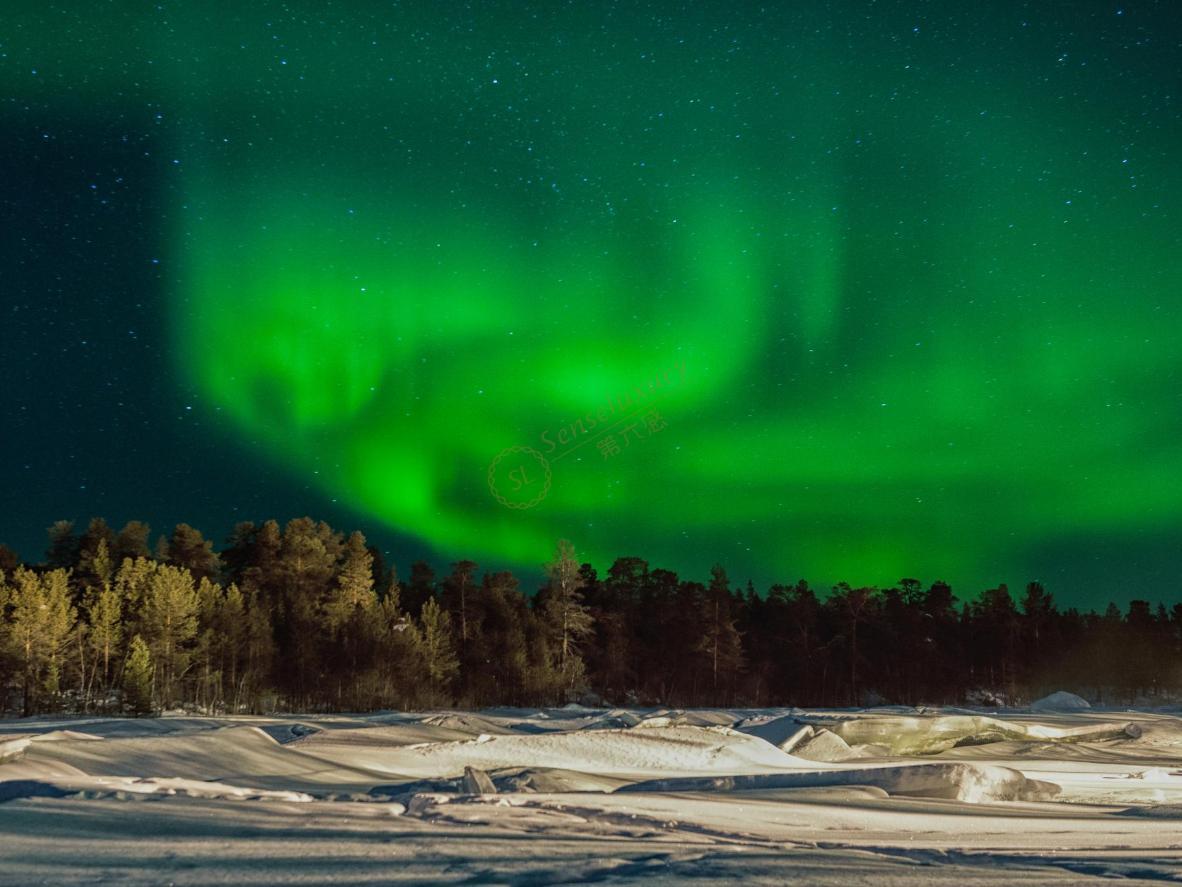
835, 290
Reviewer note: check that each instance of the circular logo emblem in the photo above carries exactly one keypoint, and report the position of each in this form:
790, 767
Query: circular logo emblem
519, 477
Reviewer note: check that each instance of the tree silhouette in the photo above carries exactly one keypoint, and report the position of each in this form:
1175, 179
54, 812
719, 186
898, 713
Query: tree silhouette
137, 678
305, 617
438, 650
566, 618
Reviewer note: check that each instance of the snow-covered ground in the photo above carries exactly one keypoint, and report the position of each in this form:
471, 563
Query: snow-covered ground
882, 796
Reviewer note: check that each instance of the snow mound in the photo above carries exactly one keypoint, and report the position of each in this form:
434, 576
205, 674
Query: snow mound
605, 752
193, 788
679, 718
285, 733
616, 719
784, 733
13, 749
925, 735
92, 788
1060, 701
381, 736
933, 734
64, 735
516, 780
969, 783
554, 780
826, 747
471, 724
244, 755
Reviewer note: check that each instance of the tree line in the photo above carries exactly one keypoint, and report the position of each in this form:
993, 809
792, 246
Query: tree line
305, 618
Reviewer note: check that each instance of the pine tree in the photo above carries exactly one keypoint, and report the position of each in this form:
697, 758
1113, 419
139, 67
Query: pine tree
996, 635
137, 678
438, 650
263, 569
94, 554
354, 585
101, 564
566, 617
41, 622
720, 641
614, 604
231, 634
853, 606
1038, 611
457, 598
131, 585
131, 542
238, 553
259, 651
497, 662
187, 548
106, 631
170, 626
62, 551
346, 623
398, 674
207, 648
9, 560
304, 572
419, 587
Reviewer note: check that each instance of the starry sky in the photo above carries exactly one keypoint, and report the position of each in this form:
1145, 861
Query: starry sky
842, 290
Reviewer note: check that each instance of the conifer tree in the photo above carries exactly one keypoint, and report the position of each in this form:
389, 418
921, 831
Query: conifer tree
7, 648
304, 571
264, 570
8, 559
614, 604
231, 633
853, 607
497, 662
94, 554
398, 674
438, 650
720, 641
131, 585
137, 678
354, 584
996, 635
419, 587
62, 551
313, 624
106, 632
259, 651
238, 554
41, 620
466, 603
457, 598
131, 542
564, 614
187, 548
347, 622
170, 626
207, 646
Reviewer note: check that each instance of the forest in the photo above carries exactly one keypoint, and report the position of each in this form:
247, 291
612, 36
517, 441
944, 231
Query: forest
304, 618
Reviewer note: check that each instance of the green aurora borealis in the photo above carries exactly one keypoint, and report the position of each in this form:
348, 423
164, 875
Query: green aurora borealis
920, 264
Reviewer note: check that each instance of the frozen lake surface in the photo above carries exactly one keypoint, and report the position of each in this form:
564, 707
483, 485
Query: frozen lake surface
879, 796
